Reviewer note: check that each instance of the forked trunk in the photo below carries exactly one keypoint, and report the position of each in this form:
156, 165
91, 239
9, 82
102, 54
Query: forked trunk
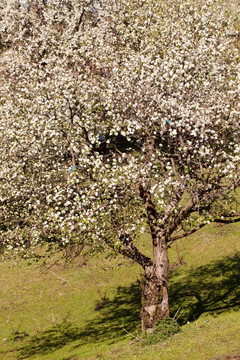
155, 305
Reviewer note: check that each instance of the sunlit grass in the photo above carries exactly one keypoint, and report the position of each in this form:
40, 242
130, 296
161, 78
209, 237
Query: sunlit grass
91, 311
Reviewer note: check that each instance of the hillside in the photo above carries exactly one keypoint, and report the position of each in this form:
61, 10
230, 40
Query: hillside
68, 183
91, 311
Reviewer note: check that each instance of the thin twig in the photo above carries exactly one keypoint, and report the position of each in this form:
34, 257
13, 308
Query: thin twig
176, 313
59, 277
135, 337
179, 315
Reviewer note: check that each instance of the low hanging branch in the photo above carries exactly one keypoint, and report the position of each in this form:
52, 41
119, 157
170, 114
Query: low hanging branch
228, 221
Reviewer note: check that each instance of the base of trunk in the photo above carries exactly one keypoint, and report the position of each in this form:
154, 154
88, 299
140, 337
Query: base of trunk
155, 306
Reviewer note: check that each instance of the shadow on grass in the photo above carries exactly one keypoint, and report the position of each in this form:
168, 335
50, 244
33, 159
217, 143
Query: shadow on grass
117, 314
213, 288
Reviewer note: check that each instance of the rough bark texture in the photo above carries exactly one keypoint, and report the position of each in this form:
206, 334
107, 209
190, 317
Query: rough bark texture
155, 305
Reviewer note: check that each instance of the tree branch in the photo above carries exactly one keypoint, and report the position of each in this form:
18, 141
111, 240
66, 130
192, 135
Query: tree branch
152, 214
172, 205
79, 21
150, 207
227, 221
187, 233
133, 253
183, 213
127, 247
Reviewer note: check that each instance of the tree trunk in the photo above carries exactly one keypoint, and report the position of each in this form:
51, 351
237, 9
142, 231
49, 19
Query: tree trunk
155, 305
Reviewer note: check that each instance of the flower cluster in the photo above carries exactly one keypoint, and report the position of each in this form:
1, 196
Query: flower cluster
140, 99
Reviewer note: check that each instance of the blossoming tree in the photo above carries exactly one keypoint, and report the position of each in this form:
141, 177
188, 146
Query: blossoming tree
158, 83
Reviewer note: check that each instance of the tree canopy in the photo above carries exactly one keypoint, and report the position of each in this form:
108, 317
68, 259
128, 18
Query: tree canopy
156, 83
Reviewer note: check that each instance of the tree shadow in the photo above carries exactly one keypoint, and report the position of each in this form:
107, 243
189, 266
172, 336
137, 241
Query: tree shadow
212, 288
115, 318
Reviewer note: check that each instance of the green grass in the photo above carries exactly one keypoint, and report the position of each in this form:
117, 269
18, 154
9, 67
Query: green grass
92, 311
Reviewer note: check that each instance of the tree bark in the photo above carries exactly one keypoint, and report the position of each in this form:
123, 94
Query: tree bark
155, 305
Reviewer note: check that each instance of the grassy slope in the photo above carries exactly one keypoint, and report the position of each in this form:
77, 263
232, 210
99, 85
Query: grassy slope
57, 308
